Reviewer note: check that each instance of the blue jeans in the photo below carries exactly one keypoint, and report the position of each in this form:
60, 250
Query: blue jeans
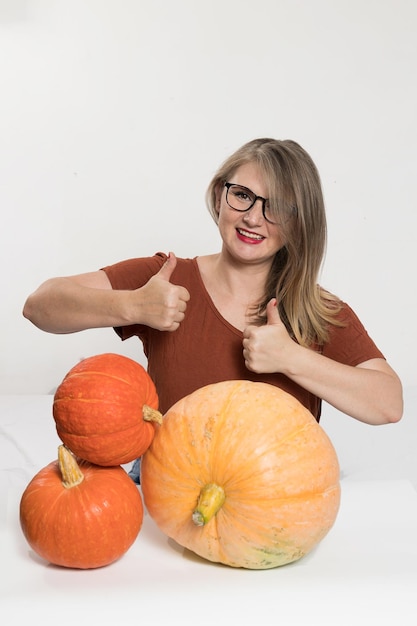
134, 472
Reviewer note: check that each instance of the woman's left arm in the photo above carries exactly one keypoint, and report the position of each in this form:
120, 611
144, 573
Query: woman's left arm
370, 392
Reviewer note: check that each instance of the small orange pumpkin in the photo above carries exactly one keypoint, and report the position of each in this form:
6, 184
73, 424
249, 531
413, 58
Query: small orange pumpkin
98, 409
80, 515
241, 473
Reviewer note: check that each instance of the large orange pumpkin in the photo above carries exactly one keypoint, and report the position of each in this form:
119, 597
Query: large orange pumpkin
98, 409
80, 515
241, 473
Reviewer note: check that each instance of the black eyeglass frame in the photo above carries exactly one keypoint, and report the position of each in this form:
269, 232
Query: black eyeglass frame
251, 193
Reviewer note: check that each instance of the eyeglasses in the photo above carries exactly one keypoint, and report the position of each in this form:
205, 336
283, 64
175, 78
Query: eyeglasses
242, 199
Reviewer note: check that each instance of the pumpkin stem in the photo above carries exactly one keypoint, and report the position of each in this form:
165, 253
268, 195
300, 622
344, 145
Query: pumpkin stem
209, 502
71, 473
151, 415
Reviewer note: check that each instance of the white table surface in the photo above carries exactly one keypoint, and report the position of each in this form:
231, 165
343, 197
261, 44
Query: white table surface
363, 572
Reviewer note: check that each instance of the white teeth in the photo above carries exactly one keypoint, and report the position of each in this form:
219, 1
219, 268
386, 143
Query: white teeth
250, 235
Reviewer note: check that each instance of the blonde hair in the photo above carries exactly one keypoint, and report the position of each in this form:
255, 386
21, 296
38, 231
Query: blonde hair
296, 199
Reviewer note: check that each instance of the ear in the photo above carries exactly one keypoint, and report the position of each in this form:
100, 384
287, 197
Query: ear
218, 190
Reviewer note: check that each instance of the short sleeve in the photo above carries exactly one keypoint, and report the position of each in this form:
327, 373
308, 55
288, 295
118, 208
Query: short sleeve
350, 344
133, 274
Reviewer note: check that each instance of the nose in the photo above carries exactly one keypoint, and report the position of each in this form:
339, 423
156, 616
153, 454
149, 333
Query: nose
255, 214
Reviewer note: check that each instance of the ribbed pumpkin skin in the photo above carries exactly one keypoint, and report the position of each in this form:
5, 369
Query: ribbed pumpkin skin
87, 526
98, 409
278, 469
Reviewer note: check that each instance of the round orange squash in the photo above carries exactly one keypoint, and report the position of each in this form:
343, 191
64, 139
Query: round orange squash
80, 515
98, 409
242, 474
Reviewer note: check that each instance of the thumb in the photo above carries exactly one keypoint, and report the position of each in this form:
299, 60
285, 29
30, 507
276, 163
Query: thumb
168, 267
272, 315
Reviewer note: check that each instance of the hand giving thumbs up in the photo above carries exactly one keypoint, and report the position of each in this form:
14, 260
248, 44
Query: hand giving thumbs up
163, 304
266, 348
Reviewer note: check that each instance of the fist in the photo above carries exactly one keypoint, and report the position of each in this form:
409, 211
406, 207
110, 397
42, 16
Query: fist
163, 304
265, 347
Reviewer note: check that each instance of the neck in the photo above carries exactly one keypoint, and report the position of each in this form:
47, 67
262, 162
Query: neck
240, 278
235, 289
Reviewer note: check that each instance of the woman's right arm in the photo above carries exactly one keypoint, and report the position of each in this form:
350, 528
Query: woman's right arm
74, 303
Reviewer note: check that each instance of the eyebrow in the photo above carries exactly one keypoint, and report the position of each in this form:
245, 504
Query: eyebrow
249, 189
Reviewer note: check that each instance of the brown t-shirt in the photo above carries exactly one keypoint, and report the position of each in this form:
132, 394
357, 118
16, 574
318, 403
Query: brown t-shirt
207, 349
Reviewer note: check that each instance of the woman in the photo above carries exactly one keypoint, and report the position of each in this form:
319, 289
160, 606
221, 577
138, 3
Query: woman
252, 311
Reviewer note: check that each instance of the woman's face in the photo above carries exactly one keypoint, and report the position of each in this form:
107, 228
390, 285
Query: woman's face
248, 236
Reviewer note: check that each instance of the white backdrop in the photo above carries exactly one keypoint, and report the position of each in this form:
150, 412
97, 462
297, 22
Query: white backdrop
114, 115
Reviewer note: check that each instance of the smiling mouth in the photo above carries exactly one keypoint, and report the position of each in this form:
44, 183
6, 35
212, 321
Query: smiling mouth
249, 235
